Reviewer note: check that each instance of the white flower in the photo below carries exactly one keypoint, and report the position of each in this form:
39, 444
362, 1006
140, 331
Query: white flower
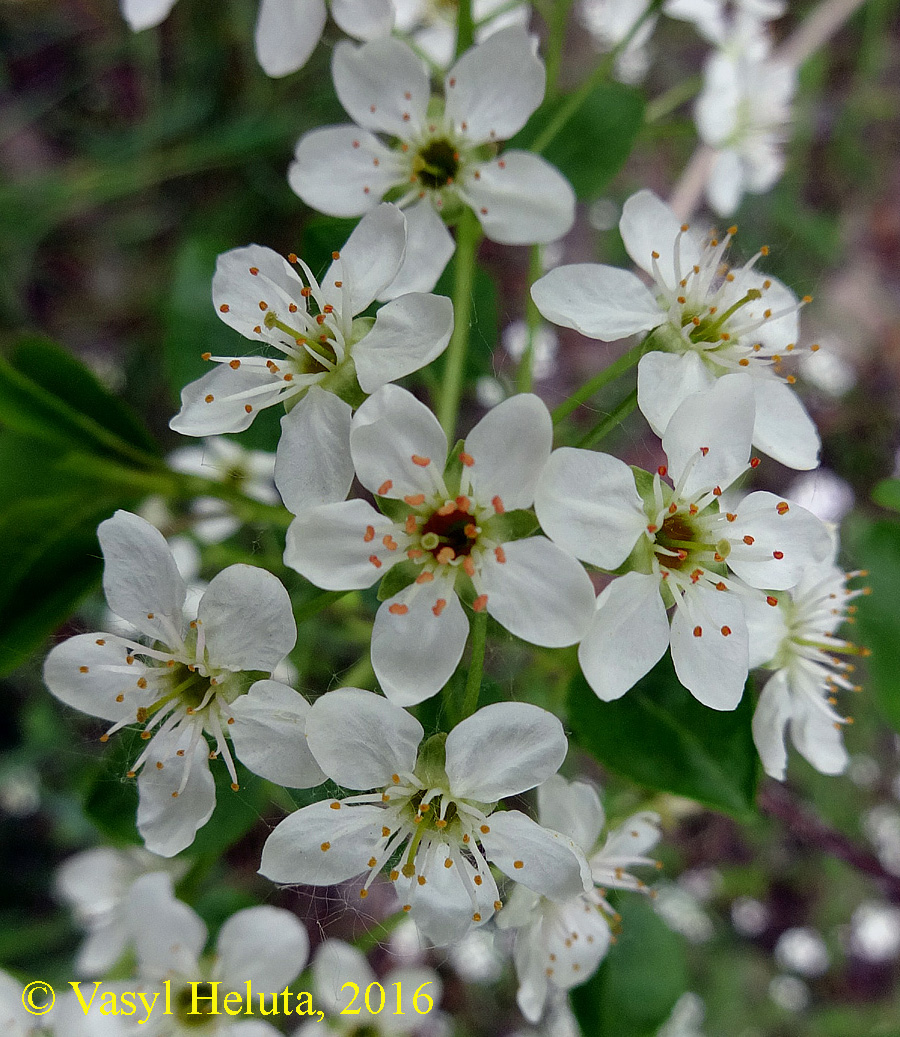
287, 31
65, 1019
252, 472
189, 682
433, 817
744, 112
96, 884
609, 22
432, 23
444, 155
560, 945
264, 947
799, 641
720, 21
682, 549
326, 355
336, 964
450, 532
704, 324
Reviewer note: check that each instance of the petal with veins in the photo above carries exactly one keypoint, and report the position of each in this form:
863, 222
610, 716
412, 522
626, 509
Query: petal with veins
429, 246
546, 862
214, 404
711, 664
382, 85
665, 380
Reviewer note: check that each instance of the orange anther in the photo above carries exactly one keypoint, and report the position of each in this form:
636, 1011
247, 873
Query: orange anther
726, 631
463, 503
446, 555
439, 606
263, 305
415, 499
500, 555
783, 508
335, 255
754, 462
248, 408
209, 398
206, 356
721, 586
398, 610
497, 505
778, 555
375, 560
234, 364
467, 459
292, 257
469, 565
698, 631
480, 603
717, 491
425, 577
730, 515
385, 487
662, 470
224, 308
748, 540
771, 600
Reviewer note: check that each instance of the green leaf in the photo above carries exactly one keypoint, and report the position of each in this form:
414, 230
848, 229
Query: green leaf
886, 494
597, 139
878, 550
660, 736
636, 987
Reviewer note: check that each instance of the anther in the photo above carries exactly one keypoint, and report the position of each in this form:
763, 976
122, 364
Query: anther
497, 505
439, 606
771, 600
234, 364
389, 542
385, 487
422, 462
726, 631
398, 610
209, 398
414, 499
480, 603
518, 864
662, 470
224, 308
778, 555
375, 560
500, 555
748, 540
698, 631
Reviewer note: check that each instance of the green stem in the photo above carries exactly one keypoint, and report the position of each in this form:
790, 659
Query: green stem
316, 603
465, 27
673, 98
524, 374
187, 487
476, 664
595, 384
468, 236
576, 99
606, 426
556, 26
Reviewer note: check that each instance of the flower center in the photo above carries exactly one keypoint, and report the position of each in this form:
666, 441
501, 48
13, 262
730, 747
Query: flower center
456, 530
184, 1005
437, 164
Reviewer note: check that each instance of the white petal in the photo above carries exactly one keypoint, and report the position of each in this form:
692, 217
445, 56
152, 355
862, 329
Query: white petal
144, 14
717, 423
602, 302
334, 165
102, 948
293, 852
818, 737
429, 246
495, 86
550, 864
247, 618
530, 957
572, 808
166, 932
509, 447
140, 579
635, 838
408, 333
781, 546
414, 654
387, 431
665, 380
209, 406
587, 503
360, 739
713, 664
237, 293
264, 946
767, 626
783, 429
91, 677
94, 881
337, 963
379, 83
725, 186
648, 225
443, 908
363, 19
269, 734
520, 199
773, 711
502, 750
313, 464
629, 635
287, 32
405, 982
717, 110
330, 545
369, 259
169, 823
539, 592
575, 937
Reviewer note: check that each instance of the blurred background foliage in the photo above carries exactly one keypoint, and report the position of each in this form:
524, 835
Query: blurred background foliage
128, 163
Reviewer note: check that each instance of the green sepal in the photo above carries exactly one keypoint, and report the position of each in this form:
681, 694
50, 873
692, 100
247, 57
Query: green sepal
453, 469
396, 510
397, 578
512, 525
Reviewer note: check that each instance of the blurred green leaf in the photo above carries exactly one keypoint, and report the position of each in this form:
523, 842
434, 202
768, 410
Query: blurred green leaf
886, 494
877, 548
637, 986
660, 736
597, 139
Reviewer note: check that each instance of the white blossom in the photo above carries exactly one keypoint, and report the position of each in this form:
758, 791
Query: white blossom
287, 31
449, 531
610, 21
65, 1019
798, 640
431, 24
681, 549
559, 945
432, 818
442, 154
706, 321
188, 681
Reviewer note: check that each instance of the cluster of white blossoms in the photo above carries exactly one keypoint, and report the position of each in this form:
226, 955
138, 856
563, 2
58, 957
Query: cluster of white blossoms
560, 548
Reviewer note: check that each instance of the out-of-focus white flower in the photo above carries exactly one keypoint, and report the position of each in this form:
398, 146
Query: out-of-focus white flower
683, 912
749, 916
544, 348
720, 20
442, 155
682, 549
431, 24
65, 1019
802, 950
337, 964
824, 493
875, 932
706, 322
189, 683
560, 944
789, 993
434, 804
686, 1019
96, 885
287, 31
252, 472
447, 533
609, 22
